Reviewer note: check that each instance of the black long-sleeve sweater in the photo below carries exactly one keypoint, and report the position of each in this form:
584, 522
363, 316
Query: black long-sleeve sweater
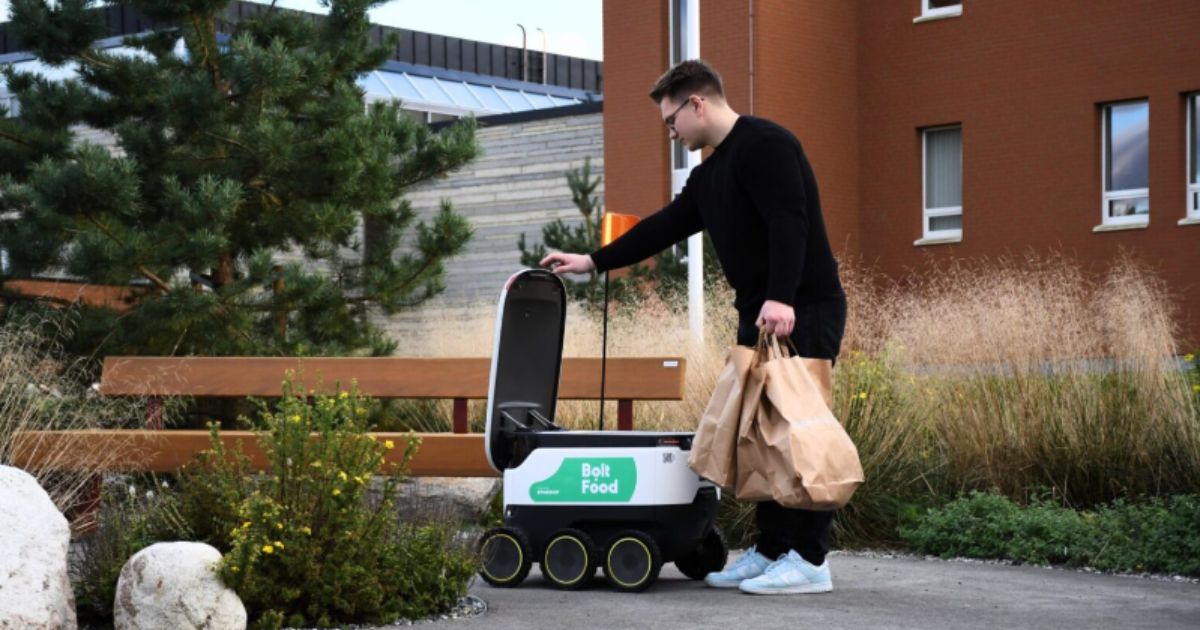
757, 197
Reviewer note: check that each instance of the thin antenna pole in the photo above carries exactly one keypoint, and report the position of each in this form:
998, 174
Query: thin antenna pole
604, 351
543, 54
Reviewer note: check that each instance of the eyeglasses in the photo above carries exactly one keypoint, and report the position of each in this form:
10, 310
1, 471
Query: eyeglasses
669, 121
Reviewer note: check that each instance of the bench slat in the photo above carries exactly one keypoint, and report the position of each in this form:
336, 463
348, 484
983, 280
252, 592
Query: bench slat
115, 297
653, 378
440, 454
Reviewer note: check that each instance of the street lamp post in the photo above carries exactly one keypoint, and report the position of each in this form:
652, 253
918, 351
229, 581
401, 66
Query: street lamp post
543, 54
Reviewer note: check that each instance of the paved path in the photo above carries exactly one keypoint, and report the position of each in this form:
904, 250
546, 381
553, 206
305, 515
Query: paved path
869, 592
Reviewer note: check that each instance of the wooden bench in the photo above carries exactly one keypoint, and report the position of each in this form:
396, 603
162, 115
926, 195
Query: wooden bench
66, 292
628, 379
446, 454
166, 451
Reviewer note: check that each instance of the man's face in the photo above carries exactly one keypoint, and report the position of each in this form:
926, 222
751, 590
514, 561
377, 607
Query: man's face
683, 120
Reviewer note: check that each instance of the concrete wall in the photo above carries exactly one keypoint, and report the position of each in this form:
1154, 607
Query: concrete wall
516, 186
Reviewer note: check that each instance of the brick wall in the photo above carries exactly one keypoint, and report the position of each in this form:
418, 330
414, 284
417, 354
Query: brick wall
856, 81
635, 55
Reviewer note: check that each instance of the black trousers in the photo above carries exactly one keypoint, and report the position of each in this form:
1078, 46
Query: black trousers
817, 334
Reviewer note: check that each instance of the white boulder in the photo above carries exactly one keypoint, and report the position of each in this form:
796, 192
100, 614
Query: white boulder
35, 591
175, 585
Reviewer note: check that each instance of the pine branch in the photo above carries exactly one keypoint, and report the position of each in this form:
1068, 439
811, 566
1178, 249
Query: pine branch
231, 141
203, 39
94, 60
141, 268
19, 140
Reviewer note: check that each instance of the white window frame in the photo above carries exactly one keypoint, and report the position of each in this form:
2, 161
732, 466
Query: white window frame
11, 103
1192, 203
1107, 196
938, 13
928, 213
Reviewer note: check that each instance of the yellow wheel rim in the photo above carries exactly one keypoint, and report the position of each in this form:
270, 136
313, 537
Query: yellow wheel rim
546, 557
520, 557
613, 574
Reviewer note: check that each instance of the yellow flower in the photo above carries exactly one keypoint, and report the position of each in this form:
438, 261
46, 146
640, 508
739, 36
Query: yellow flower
307, 530
342, 475
360, 411
1189, 357
343, 395
336, 491
295, 419
361, 479
246, 524
389, 445
862, 395
234, 569
279, 544
1196, 388
278, 525
268, 549
315, 464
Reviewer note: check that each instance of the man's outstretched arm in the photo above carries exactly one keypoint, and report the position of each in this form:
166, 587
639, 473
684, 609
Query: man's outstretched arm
678, 220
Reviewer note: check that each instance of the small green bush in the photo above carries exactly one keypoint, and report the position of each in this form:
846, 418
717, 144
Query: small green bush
133, 516
306, 544
1158, 535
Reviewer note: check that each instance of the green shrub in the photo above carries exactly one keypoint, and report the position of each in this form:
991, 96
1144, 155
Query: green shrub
1158, 535
1162, 535
306, 543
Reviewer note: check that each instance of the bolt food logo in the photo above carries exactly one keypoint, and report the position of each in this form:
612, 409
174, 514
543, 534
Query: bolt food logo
588, 480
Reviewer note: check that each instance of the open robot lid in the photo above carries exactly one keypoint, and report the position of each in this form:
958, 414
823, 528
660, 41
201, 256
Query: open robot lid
526, 361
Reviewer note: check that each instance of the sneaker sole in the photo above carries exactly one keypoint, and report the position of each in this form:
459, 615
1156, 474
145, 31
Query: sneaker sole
787, 590
722, 584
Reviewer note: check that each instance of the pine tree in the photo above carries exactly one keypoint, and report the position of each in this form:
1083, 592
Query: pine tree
667, 278
582, 238
246, 166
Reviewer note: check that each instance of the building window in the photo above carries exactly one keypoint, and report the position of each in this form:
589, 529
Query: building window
1193, 160
935, 9
1125, 128
942, 149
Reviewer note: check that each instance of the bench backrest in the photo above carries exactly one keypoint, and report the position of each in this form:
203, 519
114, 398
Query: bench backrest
656, 378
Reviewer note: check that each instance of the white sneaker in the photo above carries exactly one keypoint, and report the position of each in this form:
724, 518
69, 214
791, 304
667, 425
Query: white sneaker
788, 575
748, 565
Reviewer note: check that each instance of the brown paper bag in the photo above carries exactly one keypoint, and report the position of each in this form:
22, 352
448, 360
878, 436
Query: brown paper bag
790, 448
715, 442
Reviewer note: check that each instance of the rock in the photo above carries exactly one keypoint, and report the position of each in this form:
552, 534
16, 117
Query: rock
35, 591
175, 585
446, 499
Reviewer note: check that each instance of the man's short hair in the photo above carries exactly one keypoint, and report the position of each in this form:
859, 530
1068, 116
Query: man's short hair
686, 78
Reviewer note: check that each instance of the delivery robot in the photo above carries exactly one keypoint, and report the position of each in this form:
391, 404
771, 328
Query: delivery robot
624, 501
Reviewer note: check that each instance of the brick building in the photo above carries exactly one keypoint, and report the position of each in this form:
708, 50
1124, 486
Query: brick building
946, 129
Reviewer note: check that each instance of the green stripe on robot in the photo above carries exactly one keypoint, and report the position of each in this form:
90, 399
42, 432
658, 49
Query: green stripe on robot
588, 480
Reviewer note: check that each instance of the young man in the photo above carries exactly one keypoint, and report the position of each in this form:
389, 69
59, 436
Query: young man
757, 197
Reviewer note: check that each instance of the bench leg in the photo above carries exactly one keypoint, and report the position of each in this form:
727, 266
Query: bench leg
154, 412
460, 415
624, 415
84, 514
